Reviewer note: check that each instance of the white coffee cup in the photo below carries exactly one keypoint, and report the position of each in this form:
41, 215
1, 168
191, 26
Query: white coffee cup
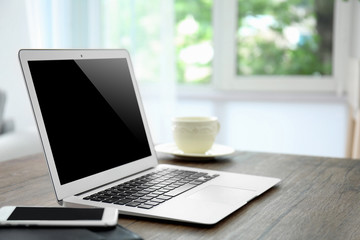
195, 134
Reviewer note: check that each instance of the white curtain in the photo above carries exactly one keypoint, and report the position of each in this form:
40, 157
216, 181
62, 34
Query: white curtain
353, 88
144, 28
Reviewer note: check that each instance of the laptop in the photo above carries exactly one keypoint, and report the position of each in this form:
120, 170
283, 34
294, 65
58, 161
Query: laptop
98, 147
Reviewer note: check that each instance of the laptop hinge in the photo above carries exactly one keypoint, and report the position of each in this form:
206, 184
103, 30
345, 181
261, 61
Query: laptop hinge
60, 202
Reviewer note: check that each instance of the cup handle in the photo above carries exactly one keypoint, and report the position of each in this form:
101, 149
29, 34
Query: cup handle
218, 127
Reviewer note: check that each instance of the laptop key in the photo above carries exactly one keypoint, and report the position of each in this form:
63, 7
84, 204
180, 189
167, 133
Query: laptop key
96, 199
132, 204
152, 203
146, 198
140, 200
158, 200
179, 190
139, 194
146, 206
110, 200
163, 190
152, 195
164, 197
131, 197
123, 201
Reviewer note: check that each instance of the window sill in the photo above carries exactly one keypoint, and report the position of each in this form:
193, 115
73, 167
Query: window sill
208, 92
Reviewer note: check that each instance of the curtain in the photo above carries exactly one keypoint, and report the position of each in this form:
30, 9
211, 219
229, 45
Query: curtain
144, 28
353, 88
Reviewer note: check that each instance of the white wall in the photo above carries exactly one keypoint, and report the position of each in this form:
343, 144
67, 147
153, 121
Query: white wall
14, 36
316, 127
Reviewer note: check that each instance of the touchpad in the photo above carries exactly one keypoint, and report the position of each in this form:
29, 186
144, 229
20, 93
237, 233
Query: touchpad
222, 194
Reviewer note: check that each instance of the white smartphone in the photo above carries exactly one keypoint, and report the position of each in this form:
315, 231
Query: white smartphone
58, 216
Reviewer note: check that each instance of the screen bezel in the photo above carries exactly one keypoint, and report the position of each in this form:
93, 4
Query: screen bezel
75, 187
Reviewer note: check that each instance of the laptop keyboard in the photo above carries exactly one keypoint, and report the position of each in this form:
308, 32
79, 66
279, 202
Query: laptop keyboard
152, 189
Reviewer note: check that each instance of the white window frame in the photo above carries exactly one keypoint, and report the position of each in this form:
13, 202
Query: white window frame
224, 68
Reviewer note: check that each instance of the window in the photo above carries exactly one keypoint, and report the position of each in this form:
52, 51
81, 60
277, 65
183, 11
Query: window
292, 37
233, 44
193, 40
292, 45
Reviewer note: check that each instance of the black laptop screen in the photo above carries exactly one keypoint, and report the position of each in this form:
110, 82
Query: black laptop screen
91, 115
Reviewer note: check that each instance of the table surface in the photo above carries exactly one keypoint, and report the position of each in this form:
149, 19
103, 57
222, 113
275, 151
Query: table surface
318, 198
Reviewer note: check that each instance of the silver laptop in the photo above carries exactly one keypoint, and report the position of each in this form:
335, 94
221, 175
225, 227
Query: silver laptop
98, 147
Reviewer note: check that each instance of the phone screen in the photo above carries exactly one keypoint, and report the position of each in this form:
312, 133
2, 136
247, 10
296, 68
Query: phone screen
55, 214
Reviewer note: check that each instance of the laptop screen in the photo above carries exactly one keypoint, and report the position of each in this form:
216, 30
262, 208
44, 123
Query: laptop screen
91, 115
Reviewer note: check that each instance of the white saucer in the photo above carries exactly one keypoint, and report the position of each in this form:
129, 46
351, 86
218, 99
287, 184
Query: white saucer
217, 150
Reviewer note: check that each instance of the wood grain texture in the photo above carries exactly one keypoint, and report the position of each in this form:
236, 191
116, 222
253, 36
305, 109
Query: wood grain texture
318, 198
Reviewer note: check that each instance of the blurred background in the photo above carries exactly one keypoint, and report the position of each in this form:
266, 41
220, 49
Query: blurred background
281, 76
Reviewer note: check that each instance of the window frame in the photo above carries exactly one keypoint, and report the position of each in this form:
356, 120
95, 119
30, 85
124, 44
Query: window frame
224, 68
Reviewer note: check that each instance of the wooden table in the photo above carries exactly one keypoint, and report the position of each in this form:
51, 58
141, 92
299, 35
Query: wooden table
318, 198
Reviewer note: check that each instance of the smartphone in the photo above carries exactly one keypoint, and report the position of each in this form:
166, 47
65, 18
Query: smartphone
58, 216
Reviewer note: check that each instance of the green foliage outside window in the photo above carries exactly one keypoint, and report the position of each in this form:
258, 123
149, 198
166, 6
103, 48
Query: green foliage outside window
193, 40
274, 37
293, 37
